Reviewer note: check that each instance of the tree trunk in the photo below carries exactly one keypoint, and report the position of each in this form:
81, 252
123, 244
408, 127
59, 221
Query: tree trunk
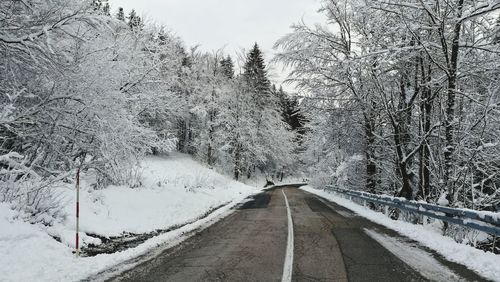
450, 109
406, 191
402, 137
371, 166
182, 136
237, 163
210, 157
425, 120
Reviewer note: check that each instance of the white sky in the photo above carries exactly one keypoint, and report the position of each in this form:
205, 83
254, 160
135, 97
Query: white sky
232, 24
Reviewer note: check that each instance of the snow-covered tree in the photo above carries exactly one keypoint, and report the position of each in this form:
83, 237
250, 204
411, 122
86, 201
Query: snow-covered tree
227, 67
120, 15
417, 82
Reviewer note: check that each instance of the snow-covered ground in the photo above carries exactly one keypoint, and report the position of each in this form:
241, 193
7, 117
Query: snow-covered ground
485, 264
175, 190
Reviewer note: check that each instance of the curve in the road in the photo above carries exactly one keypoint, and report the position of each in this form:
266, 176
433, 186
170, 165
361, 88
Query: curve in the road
322, 242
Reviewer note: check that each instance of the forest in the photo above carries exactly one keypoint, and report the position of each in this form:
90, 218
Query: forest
84, 87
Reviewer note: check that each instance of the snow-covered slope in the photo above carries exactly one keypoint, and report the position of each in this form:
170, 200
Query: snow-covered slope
175, 190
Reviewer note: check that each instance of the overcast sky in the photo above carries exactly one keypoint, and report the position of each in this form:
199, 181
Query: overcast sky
233, 24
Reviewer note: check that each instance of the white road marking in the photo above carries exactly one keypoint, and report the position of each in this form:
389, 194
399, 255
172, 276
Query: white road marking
288, 266
416, 258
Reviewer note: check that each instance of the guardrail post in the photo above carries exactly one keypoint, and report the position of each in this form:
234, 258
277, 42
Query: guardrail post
77, 239
493, 245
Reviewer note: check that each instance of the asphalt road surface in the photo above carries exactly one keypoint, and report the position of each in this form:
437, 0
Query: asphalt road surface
327, 243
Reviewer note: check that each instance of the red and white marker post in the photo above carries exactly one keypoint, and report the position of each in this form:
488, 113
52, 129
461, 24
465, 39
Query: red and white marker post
77, 211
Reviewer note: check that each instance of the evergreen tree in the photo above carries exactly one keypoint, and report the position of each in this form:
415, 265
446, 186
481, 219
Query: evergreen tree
290, 111
227, 67
134, 21
121, 14
269, 145
100, 7
106, 9
96, 6
256, 75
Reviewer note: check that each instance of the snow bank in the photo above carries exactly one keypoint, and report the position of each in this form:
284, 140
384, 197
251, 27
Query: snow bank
175, 190
485, 264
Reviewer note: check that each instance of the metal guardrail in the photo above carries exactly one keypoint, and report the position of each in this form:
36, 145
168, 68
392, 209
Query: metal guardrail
488, 222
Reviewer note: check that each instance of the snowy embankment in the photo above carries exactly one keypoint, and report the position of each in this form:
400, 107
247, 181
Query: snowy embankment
175, 190
485, 264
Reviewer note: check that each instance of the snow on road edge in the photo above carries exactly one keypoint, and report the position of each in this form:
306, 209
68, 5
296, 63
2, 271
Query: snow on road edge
176, 189
156, 245
55, 264
418, 259
484, 264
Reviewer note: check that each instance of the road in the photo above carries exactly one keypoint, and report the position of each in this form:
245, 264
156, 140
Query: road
327, 243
